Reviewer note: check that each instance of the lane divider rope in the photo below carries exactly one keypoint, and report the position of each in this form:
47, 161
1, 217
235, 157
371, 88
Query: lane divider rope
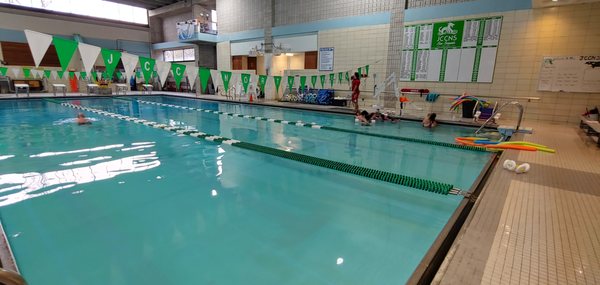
413, 182
317, 126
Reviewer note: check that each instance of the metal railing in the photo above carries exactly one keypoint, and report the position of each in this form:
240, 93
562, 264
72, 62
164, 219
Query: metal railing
8, 277
513, 103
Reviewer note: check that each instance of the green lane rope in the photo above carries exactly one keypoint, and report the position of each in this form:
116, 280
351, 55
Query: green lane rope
418, 183
316, 126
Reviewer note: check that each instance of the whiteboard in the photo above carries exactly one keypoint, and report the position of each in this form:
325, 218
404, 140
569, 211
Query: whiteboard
570, 74
453, 51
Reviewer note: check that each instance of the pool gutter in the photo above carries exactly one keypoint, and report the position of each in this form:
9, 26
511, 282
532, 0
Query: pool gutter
435, 256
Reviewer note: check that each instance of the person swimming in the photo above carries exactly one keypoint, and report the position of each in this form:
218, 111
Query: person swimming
429, 121
364, 118
377, 115
82, 120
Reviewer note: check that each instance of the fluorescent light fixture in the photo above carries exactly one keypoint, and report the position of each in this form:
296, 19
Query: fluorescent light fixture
289, 54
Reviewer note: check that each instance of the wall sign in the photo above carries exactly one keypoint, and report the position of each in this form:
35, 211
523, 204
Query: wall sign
326, 59
570, 74
455, 51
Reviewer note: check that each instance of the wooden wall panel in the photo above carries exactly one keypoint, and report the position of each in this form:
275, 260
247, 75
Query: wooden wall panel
20, 54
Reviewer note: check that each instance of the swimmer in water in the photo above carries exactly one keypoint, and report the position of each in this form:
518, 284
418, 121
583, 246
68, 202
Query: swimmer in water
81, 120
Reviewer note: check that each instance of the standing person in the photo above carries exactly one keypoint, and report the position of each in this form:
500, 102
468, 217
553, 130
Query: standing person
355, 90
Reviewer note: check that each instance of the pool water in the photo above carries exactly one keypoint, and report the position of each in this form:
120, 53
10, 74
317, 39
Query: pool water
116, 202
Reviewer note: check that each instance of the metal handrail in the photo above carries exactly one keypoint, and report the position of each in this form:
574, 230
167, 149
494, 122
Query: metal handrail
8, 277
515, 103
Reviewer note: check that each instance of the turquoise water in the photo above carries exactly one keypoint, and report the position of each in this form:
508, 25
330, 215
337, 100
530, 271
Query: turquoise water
121, 203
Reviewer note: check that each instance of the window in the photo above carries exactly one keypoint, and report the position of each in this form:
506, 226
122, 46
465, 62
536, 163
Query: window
213, 19
92, 8
187, 54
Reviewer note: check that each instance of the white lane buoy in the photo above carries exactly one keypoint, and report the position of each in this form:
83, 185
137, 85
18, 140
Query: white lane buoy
510, 164
523, 168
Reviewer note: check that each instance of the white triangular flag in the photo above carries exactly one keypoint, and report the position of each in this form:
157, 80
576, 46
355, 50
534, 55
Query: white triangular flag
216, 78
89, 54
54, 74
192, 74
98, 76
38, 73
163, 69
38, 44
16, 71
129, 63
77, 75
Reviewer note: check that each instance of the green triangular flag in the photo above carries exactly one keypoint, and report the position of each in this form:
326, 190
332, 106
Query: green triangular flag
262, 81
331, 79
359, 72
47, 73
71, 74
111, 59
226, 76
277, 80
204, 76
119, 74
302, 81
3, 71
83, 75
27, 72
155, 74
60, 73
347, 76
245, 81
178, 72
65, 50
313, 80
340, 76
323, 81
147, 66
367, 70
291, 82
138, 74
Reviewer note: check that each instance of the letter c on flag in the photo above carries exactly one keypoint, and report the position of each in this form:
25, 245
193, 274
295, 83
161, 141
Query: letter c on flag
147, 66
178, 71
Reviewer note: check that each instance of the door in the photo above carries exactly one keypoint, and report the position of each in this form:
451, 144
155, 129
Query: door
252, 64
310, 60
237, 62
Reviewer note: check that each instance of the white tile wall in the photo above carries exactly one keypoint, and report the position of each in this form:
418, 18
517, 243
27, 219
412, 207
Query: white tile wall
527, 36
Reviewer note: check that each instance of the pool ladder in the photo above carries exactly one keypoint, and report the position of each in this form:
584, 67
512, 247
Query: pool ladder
8, 277
513, 103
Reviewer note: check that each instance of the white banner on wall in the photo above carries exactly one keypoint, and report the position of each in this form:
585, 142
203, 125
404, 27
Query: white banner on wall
579, 73
454, 51
326, 59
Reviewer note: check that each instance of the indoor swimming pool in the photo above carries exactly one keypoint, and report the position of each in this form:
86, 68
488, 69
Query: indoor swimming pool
119, 202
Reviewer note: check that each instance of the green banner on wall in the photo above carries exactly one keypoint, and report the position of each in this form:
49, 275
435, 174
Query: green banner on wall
302, 81
178, 72
147, 67
262, 81
313, 81
111, 59
277, 80
331, 79
291, 82
323, 81
47, 73
65, 50
447, 35
245, 81
60, 73
83, 75
204, 76
27, 72
3, 70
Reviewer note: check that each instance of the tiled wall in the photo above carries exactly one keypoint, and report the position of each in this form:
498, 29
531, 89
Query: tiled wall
241, 15
293, 11
223, 55
527, 36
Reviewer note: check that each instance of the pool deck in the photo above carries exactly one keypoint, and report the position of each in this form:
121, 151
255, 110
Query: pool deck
536, 228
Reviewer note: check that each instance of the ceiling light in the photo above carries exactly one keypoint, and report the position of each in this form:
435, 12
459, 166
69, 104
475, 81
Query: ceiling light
289, 54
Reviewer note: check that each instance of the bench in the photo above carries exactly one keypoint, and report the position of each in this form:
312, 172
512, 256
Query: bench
21, 86
91, 87
147, 89
121, 88
591, 128
59, 87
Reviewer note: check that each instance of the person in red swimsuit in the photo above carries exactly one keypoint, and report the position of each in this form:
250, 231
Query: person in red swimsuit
355, 90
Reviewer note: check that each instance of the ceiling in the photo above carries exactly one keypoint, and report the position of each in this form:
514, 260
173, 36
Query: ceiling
154, 4
550, 3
